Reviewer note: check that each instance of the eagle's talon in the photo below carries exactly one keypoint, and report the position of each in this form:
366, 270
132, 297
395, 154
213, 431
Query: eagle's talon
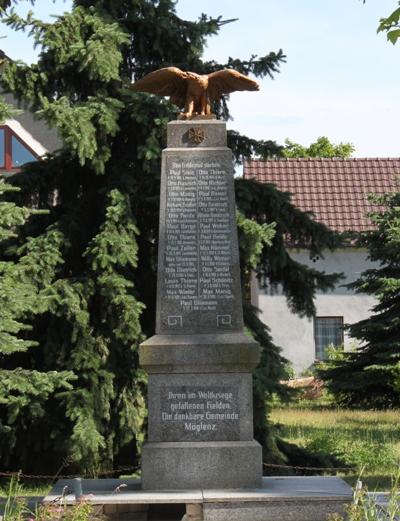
184, 115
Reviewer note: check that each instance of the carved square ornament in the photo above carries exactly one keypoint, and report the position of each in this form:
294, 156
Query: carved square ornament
196, 134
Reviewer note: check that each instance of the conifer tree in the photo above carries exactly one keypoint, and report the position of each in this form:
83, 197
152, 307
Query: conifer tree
22, 391
101, 192
370, 376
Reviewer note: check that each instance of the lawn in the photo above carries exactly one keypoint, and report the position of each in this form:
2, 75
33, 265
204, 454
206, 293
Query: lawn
369, 441
28, 488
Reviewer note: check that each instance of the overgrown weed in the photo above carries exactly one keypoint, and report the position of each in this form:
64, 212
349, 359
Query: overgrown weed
369, 439
365, 507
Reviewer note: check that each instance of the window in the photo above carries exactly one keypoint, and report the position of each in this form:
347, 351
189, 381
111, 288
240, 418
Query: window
327, 331
14, 152
20, 154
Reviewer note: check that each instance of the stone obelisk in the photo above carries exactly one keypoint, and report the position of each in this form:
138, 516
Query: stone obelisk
199, 362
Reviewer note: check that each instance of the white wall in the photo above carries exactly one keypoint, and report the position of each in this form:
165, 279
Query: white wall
295, 335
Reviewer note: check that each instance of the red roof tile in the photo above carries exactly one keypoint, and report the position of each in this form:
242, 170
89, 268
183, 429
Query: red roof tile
335, 190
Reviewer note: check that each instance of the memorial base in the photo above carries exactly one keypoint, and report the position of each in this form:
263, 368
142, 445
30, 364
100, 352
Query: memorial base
280, 498
189, 465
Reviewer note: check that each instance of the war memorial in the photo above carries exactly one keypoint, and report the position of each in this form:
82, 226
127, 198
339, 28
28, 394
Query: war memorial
200, 450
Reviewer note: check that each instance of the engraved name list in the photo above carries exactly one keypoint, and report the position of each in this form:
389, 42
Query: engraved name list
198, 240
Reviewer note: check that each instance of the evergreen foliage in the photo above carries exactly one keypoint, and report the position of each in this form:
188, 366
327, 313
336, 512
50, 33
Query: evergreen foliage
264, 250
96, 248
22, 391
370, 376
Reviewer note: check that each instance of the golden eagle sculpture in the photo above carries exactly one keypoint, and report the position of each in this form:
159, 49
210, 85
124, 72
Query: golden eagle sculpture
193, 91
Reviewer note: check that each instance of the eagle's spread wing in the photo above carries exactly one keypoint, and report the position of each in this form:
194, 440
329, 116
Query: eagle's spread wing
169, 81
228, 80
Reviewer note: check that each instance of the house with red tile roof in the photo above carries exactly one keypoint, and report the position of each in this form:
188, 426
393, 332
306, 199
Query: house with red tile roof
335, 190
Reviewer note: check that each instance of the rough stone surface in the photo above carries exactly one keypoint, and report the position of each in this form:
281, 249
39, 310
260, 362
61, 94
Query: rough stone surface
286, 488
200, 407
226, 352
309, 498
183, 465
200, 361
272, 511
198, 287
278, 499
178, 134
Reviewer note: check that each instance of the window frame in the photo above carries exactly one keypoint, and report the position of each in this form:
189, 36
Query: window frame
3, 157
325, 317
8, 160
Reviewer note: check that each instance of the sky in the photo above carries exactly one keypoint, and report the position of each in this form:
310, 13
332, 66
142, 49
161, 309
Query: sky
341, 79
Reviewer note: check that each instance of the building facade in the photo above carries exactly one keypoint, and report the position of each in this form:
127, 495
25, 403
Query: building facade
335, 190
24, 138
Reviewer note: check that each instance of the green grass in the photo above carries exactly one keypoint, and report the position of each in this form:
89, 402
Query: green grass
28, 488
368, 440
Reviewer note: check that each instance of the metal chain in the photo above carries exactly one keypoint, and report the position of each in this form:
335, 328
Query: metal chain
332, 469
133, 469
67, 476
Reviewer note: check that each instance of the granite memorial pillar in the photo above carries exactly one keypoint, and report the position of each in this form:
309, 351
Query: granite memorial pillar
199, 362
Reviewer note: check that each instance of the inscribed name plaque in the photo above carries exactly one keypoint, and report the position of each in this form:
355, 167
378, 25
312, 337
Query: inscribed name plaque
199, 288
197, 412
200, 407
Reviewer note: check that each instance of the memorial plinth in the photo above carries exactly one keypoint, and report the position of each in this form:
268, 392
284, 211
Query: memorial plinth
200, 362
